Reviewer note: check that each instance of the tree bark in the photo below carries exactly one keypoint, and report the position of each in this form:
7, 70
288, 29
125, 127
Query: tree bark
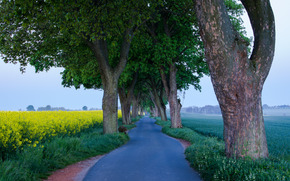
237, 79
171, 92
159, 103
135, 103
154, 110
110, 77
141, 111
110, 106
126, 99
125, 106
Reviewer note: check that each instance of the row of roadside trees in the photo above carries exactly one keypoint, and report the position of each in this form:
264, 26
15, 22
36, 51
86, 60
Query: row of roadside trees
146, 51
49, 108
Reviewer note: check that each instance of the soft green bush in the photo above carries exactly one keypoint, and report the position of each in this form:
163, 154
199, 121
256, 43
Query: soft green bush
206, 155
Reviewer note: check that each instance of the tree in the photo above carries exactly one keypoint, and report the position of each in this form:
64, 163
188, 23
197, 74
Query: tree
48, 108
135, 104
85, 108
150, 87
141, 96
126, 93
149, 80
30, 108
157, 94
49, 33
177, 51
237, 79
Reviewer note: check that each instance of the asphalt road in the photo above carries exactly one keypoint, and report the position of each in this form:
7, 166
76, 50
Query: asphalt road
150, 155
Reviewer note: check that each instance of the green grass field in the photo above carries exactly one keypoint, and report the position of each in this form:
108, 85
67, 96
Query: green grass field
206, 152
277, 130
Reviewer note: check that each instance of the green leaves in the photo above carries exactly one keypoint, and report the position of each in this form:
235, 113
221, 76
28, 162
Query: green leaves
51, 27
235, 11
172, 38
48, 33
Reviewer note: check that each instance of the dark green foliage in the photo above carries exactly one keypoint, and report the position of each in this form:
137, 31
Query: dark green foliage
235, 11
172, 38
47, 32
78, 74
30, 108
35, 163
206, 155
85, 108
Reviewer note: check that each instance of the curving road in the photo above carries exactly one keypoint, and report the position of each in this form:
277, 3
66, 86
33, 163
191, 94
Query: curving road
150, 155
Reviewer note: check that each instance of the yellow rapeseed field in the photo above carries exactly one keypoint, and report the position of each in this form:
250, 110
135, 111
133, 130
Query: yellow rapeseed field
18, 128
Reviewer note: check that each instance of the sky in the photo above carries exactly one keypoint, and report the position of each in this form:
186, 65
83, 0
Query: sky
40, 89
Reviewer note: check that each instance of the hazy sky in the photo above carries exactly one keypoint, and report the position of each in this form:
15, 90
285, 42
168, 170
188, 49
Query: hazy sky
20, 90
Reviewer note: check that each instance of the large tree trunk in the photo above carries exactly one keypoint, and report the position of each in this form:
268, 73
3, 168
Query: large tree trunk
237, 79
159, 103
125, 106
110, 106
141, 111
171, 92
156, 111
126, 96
110, 77
135, 103
152, 111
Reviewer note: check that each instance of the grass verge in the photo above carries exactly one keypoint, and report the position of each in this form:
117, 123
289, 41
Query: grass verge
36, 163
132, 125
206, 155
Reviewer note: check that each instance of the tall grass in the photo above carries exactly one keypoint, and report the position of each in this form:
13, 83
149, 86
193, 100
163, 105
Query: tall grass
206, 155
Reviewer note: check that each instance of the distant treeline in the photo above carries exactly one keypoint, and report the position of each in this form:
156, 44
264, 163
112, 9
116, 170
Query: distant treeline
265, 106
216, 109
202, 110
49, 108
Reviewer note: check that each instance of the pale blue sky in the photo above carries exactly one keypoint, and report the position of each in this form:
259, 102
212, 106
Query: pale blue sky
20, 90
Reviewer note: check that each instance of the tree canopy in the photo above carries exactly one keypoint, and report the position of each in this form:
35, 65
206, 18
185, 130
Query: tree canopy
102, 44
30, 108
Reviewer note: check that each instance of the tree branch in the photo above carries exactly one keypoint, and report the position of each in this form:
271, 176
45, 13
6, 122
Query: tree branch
127, 37
132, 86
175, 59
215, 26
100, 49
151, 31
165, 83
263, 24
